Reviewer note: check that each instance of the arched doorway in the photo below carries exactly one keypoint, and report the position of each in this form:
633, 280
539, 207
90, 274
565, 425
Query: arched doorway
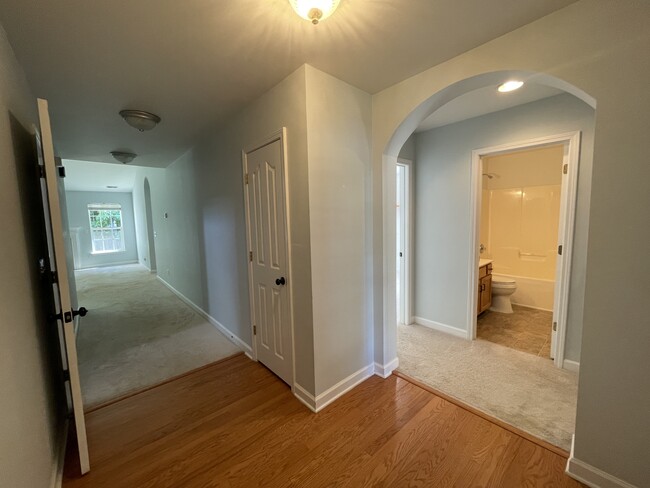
388, 177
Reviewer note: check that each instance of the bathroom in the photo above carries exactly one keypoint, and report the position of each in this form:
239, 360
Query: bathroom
518, 233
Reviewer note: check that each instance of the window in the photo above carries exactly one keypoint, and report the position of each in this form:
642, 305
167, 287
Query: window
106, 227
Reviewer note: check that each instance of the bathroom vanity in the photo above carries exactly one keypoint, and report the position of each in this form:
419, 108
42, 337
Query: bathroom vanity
484, 285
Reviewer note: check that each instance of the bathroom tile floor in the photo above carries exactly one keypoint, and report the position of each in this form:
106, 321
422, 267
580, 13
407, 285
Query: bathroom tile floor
526, 329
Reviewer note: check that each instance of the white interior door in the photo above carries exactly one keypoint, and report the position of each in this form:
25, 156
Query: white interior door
267, 230
62, 292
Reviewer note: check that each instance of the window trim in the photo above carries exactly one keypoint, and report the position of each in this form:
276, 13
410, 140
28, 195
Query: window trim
105, 207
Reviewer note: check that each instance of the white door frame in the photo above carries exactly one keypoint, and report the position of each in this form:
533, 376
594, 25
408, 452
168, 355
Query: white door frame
568, 195
279, 135
406, 315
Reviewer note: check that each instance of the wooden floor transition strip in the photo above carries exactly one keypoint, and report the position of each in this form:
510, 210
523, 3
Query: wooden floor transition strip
504, 425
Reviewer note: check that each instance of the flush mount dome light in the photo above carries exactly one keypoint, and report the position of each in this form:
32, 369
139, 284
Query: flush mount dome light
509, 86
140, 119
123, 157
314, 10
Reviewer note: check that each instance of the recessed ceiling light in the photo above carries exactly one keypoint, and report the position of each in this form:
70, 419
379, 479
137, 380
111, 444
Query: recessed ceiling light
111, 186
140, 119
314, 10
123, 157
509, 86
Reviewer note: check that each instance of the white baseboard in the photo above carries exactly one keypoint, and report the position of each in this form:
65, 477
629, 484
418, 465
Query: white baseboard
387, 369
571, 365
592, 476
447, 329
107, 265
316, 404
219, 326
57, 474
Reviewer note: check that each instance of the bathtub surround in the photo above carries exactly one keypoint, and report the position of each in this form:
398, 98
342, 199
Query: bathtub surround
138, 333
442, 168
518, 388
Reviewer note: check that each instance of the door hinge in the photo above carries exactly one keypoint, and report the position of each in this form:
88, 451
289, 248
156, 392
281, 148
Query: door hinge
554, 326
565, 169
246, 179
61, 171
55, 277
250, 256
559, 249
41, 171
255, 330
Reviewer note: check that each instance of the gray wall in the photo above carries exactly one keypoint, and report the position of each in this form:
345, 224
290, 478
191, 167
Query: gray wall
442, 190
30, 423
338, 130
78, 202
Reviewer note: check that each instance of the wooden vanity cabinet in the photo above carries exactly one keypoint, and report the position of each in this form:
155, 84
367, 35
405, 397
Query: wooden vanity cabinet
484, 287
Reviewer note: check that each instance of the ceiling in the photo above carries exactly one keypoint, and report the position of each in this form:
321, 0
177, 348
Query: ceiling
195, 62
484, 101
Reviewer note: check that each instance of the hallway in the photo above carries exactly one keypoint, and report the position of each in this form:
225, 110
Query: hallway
137, 333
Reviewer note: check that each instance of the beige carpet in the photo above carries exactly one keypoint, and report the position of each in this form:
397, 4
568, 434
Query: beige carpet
138, 333
523, 390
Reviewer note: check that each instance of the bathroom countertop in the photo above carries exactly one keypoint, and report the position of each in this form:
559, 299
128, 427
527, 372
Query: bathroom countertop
483, 262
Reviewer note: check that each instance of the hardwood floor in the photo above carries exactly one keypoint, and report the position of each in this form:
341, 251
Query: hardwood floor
236, 425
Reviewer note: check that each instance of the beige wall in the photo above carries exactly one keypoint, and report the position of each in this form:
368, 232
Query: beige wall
521, 211
595, 45
30, 421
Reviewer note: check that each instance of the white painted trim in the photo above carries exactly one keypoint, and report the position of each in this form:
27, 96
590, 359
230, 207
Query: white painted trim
409, 226
592, 476
447, 329
218, 325
331, 394
304, 396
565, 236
281, 135
57, 473
571, 365
387, 369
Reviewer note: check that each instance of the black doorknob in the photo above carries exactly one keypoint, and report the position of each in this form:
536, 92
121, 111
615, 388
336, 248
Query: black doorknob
280, 281
82, 312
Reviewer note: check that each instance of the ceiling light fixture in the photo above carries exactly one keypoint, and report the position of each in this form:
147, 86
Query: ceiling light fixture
314, 10
509, 86
123, 157
140, 119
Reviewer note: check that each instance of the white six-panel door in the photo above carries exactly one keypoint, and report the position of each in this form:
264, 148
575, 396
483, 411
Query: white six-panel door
269, 270
62, 286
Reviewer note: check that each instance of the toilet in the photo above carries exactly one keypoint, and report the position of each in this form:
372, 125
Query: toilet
502, 289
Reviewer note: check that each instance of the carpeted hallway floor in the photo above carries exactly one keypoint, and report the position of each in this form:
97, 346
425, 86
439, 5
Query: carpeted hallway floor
521, 389
137, 333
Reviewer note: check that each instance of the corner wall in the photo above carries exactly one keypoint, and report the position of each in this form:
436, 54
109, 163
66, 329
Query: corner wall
31, 421
338, 133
